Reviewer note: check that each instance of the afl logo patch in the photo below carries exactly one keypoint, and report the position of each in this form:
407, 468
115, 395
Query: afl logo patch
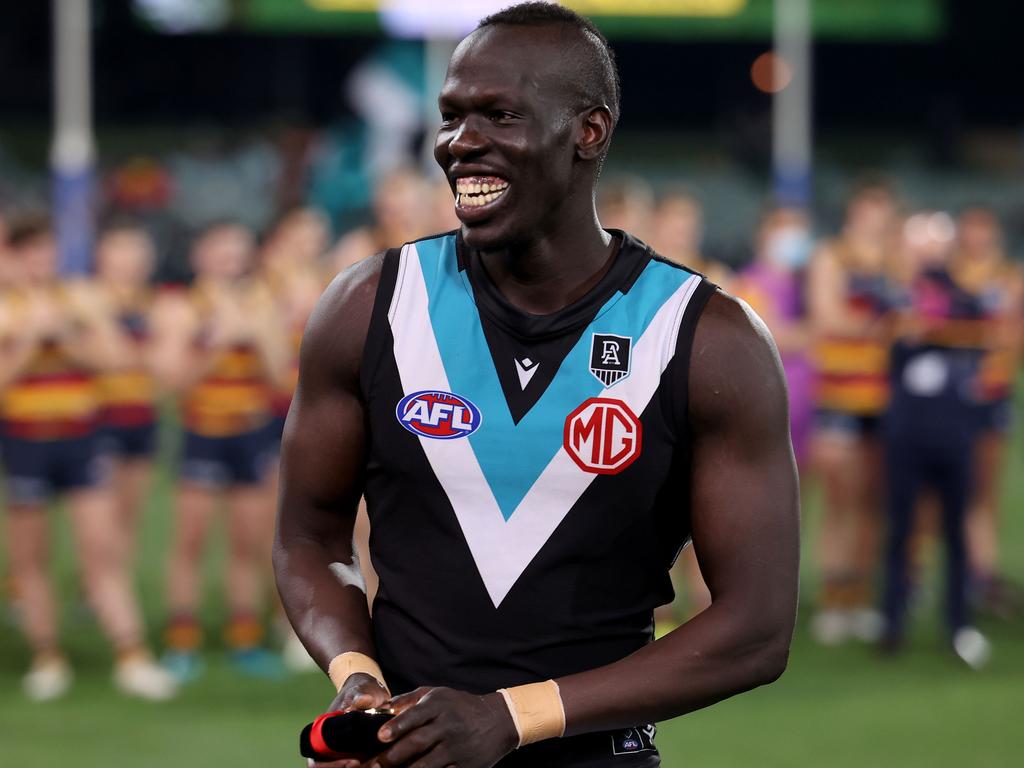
438, 415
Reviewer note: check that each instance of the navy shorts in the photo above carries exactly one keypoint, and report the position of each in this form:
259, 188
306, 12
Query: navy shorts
37, 470
628, 748
220, 462
852, 425
137, 442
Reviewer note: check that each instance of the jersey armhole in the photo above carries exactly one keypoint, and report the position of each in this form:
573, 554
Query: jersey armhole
378, 332
681, 360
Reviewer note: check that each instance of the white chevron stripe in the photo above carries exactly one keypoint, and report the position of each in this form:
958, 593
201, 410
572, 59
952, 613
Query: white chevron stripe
502, 549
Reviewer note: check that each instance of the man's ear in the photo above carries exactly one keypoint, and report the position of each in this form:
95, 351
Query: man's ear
595, 133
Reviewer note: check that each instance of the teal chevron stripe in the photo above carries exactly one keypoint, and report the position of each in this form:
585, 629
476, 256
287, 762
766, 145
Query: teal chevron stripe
512, 456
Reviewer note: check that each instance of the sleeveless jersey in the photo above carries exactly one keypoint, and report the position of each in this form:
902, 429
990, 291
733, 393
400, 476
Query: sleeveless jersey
852, 368
129, 395
527, 477
234, 397
55, 397
998, 366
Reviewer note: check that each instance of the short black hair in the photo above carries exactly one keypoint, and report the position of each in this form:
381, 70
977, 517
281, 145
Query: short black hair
597, 74
27, 227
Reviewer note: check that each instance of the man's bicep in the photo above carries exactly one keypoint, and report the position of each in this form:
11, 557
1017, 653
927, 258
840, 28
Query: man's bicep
321, 460
745, 499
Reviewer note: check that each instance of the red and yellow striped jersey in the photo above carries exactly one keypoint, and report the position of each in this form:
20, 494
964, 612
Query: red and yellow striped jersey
55, 397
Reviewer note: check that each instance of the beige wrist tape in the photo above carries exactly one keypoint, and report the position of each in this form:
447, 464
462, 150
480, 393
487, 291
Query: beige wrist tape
536, 711
350, 662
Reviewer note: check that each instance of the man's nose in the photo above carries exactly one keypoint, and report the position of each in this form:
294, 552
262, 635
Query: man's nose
468, 140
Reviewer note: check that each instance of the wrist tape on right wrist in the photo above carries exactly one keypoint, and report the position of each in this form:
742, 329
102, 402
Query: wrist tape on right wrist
536, 710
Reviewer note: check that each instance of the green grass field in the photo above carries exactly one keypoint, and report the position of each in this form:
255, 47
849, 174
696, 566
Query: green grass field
839, 708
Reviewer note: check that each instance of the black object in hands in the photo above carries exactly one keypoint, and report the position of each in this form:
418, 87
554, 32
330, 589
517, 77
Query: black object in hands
339, 735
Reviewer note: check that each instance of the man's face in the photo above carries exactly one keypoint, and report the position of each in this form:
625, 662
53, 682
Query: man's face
871, 213
979, 232
37, 259
224, 253
125, 257
506, 141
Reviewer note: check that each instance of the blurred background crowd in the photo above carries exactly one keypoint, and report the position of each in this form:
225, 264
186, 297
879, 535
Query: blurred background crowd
247, 152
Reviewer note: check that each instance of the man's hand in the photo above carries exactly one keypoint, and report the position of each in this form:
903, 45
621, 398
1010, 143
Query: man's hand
438, 727
360, 691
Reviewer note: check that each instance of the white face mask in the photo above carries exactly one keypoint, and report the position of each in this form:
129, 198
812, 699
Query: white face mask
788, 247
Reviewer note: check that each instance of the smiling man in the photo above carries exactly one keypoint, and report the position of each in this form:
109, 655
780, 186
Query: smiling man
540, 413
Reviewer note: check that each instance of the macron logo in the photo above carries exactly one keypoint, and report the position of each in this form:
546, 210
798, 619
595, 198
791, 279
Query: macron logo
526, 368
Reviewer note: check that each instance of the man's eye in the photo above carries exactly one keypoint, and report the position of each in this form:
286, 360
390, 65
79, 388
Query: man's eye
501, 116
447, 118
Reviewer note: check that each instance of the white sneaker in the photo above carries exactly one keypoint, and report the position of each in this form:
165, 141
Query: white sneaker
48, 679
295, 657
973, 648
830, 627
145, 679
866, 624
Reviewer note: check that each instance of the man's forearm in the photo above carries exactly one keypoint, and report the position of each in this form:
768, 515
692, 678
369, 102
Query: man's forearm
324, 598
711, 657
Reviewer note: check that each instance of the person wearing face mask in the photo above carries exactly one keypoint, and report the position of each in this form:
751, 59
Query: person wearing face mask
773, 286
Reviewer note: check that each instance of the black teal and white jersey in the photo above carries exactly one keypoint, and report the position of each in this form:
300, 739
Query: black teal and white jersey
527, 477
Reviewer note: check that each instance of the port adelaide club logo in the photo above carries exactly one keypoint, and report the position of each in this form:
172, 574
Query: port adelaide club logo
609, 357
438, 415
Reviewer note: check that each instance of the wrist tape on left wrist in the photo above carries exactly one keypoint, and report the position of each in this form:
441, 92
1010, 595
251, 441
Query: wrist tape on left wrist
536, 710
349, 663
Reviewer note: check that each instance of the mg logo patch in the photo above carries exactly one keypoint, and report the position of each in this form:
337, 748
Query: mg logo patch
609, 357
603, 436
438, 415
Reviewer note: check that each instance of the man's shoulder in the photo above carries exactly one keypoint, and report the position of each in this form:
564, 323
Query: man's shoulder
734, 360
338, 326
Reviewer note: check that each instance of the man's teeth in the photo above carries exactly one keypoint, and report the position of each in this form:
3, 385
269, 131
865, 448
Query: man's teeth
473, 194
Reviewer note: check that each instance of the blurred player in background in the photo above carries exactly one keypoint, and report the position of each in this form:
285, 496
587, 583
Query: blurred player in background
678, 234
222, 347
291, 268
982, 268
290, 265
627, 203
849, 297
125, 260
932, 424
773, 285
57, 337
402, 211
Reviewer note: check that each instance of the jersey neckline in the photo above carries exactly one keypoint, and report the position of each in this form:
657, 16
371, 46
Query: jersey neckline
629, 260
